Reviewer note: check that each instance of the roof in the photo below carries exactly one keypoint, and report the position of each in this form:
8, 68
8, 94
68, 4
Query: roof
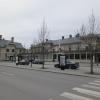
72, 40
4, 43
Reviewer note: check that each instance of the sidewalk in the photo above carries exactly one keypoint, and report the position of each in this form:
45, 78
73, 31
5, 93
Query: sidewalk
49, 67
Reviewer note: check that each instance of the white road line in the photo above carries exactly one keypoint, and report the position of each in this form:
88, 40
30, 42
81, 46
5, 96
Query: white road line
50, 99
94, 83
87, 92
91, 86
74, 97
98, 81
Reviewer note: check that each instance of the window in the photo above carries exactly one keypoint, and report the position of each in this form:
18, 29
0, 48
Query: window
83, 56
69, 48
6, 56
13, 50
7, 50
76, 56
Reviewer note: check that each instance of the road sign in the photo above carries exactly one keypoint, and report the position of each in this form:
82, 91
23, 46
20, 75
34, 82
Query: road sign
62, 60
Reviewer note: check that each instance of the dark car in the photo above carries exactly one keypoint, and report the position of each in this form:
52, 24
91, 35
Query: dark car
31, 60
37, 61
23, 62
68, 65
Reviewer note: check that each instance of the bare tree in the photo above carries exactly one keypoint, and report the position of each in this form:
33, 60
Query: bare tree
43, 35
33, 46
89, 36
35, 42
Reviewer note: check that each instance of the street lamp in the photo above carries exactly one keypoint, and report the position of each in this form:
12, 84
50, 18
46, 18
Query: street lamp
53, 55
59, 47
31, 55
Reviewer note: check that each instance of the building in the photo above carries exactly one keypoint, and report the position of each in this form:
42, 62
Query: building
9, 49
37, 50
73, 47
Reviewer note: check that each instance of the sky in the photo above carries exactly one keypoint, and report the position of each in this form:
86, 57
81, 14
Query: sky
22, 19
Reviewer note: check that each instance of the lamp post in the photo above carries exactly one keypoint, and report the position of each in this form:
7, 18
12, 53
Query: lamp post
53, 54
31, 56
94, 48
92, 55
59, 47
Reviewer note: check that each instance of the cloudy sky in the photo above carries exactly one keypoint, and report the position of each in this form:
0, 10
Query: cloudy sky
23, 18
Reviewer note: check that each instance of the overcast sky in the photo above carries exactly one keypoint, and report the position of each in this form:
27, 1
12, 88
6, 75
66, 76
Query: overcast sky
23, 18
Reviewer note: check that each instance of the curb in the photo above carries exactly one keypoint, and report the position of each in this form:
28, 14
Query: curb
43, 70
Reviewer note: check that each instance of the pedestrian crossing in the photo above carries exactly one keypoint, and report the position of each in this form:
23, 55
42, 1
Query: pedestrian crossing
93, 83
89, 91
91, 86
73, 96
98, 81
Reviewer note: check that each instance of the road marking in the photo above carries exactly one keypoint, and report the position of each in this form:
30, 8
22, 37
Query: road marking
73, 96
50, 99
94, 83
90, 86
87, 92
98, 81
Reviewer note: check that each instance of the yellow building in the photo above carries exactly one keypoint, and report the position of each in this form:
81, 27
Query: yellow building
9, 49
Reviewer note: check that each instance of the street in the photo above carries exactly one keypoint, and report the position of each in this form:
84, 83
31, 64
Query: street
23, 84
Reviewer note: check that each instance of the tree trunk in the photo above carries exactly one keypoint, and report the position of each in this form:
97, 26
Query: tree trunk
91, 60
43, 57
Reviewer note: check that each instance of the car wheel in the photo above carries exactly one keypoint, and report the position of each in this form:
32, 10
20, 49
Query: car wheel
73, 67
62, 68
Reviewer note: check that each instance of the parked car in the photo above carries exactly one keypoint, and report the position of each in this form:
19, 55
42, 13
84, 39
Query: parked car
31, 60
69, 65
23, 62
37, 61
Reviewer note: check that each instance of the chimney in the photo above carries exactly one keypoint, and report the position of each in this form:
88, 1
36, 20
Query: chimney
62, 37
12, 39
46, 40
77, 35
70, 36
0, 37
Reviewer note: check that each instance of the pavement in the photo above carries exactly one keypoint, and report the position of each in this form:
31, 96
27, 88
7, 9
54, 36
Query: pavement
84, 69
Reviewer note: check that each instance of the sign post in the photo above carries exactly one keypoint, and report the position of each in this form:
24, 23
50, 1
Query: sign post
62, 61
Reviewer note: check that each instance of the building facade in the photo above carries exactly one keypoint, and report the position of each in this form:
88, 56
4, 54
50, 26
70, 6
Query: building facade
10, 49
73, 47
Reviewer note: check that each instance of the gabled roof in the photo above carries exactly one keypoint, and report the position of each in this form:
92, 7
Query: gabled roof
4, 43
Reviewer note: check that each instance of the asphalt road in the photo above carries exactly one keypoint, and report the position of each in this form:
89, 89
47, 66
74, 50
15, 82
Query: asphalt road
23, 84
